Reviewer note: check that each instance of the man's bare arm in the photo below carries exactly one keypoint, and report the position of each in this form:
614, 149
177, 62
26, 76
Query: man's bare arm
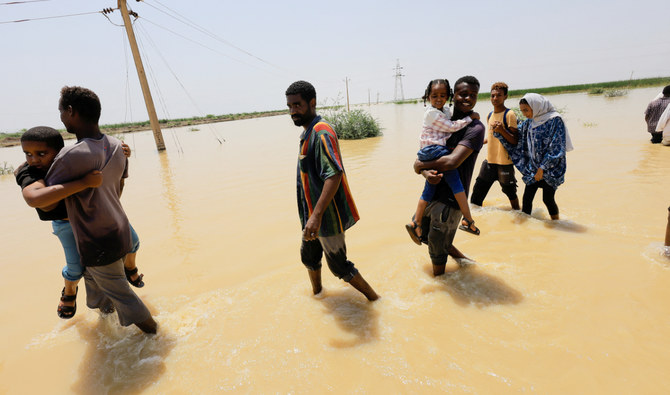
444, 163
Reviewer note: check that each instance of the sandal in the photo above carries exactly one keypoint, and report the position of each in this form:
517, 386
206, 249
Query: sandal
67, 312
138, 281
411, 229
469, 226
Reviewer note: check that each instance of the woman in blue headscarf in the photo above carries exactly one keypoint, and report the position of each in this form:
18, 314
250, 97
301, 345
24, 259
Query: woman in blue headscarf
540, 151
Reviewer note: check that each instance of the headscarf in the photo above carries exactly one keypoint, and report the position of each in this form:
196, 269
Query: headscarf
543, 111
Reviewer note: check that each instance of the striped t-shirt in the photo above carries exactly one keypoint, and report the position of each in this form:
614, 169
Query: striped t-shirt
319, 159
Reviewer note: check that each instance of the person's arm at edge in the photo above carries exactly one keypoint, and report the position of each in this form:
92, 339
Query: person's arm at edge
39, 195
330, 186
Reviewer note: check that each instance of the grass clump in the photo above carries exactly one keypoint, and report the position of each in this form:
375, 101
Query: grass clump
353, 125
6, 169
616, 92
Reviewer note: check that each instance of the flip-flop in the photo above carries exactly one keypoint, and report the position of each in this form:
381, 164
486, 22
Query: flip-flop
67, 312
411, 229
469, 228
138, 281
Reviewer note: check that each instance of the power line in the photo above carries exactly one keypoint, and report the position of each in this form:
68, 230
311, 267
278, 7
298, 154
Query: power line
50, 17
195, 26
22, 2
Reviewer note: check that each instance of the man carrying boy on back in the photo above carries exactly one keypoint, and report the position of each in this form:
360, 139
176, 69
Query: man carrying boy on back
325, 204
99, 224
498, 166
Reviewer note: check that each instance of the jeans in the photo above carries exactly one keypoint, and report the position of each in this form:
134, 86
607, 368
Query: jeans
73, 270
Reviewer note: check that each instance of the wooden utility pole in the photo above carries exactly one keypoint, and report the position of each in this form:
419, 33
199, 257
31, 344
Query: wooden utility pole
346, 82
153, 119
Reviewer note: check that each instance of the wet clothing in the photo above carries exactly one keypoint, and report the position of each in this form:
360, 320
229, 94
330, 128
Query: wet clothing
442, 216
543, 143
73, 270
107, 285
98, 221
548, 193
498, 165
490, 173
28, 175
440, 223
320, 159
100, 225
336, 256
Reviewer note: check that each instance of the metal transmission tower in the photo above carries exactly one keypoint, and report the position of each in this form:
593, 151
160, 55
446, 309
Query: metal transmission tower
398, 81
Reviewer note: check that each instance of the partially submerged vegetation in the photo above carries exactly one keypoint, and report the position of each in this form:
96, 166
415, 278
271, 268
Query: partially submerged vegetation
352, 125
6, 169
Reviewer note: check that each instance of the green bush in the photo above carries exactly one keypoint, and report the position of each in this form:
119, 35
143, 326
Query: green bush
353, 125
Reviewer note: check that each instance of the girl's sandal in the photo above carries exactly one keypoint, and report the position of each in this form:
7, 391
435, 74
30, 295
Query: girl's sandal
469, 226
138, 281
411, 229
67, 312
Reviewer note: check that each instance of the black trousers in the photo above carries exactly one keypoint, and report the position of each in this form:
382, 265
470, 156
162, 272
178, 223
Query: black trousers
547, 197
490, 173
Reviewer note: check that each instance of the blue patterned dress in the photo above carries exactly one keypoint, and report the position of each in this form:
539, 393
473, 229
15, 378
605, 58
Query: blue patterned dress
539, 147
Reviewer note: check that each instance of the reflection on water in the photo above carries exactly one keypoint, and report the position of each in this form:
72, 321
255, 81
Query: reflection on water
576, 305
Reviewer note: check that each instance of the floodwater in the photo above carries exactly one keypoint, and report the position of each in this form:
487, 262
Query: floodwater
574, 306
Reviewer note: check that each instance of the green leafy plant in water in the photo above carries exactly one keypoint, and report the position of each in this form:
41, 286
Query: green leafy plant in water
353, 125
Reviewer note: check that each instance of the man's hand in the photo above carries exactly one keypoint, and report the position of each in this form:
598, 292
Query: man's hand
475, 115
126, 149
93, 179
432, 176
539, 174
311, 231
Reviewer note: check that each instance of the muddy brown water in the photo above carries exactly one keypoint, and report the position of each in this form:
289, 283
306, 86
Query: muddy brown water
579, 305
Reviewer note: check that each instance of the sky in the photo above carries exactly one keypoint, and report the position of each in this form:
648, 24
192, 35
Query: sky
228, 56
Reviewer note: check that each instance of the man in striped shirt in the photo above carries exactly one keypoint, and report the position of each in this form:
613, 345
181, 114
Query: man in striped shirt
325, 204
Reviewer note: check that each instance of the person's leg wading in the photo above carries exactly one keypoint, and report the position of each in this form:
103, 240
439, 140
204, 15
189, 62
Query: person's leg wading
528, 196
110, 283
483, 184
508, 184
444, 221
335, 250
